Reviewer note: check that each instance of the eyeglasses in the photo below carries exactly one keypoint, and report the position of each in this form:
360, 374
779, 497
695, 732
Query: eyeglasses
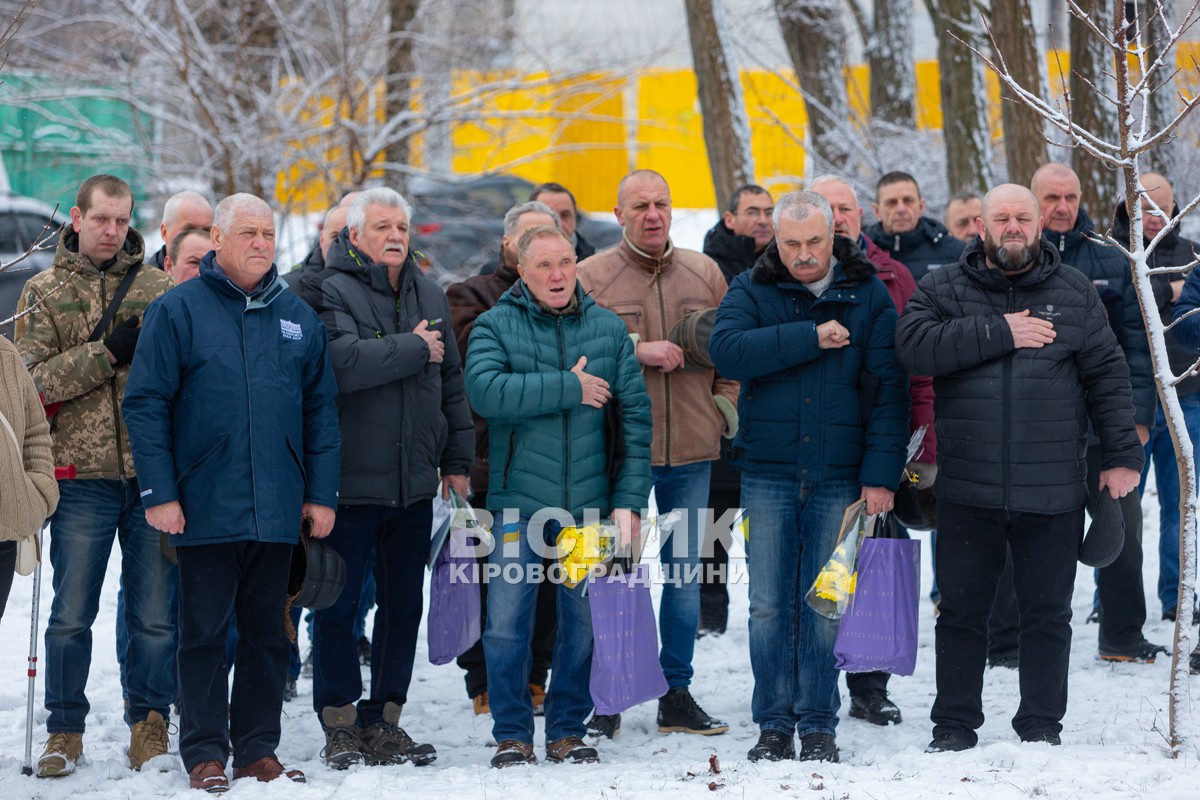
757, 213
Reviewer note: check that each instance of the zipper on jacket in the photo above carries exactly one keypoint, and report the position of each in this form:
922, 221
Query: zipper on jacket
112, 386
662, 326
1008, 407
1062, 243
250, 419
403, 452
566, 418
508, 460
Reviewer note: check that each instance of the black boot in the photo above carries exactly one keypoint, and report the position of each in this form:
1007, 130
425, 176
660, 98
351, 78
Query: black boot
342, 748
678, 712
873, 706
773, 746
385, 742
608, 725
818, 747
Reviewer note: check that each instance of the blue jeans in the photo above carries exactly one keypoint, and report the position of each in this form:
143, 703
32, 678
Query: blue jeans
1161, 450
394, 542
90, 515
507, 643
794, 532
686, 489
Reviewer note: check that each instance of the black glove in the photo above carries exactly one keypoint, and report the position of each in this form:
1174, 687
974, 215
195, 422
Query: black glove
123, 340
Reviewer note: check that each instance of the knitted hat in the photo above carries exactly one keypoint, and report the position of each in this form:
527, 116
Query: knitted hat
692, 333
1106, 535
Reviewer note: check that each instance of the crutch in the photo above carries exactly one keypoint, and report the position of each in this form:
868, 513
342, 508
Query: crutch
33, 637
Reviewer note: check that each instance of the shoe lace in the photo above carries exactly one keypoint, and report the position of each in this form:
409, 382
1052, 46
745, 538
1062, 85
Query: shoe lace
686, 702
154, 736
58, 743
340, 740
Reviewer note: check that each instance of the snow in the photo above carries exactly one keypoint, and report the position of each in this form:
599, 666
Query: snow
1114, 741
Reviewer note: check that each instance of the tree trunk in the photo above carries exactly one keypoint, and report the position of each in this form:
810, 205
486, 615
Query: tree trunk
890, 58
964, 96
726, 128
1024, 140
1090, 61
816, 42
1163, 159
400, 73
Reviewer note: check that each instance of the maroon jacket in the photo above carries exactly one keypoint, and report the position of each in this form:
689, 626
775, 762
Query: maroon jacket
900, 285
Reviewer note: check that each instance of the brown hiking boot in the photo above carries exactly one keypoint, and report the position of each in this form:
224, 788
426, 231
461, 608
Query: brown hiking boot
571, 749
267, 769
538, 694
510, 753
62, 754
385, 742
147, 741
209, 776
480, 702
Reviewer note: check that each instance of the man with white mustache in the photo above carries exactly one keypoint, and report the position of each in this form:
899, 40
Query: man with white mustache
403, 416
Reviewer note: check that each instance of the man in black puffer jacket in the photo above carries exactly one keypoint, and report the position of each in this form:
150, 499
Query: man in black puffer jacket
404, 417
1022, 358
1122, 599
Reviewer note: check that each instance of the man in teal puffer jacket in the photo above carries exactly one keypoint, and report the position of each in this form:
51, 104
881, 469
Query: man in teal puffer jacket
541, 367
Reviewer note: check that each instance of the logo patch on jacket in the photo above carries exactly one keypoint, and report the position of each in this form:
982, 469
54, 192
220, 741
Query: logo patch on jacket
290, 330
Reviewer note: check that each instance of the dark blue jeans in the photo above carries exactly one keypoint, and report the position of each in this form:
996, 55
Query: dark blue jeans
685, 489
215, 582
512, 596
398, 540
91, 515
1161, 451
793, 530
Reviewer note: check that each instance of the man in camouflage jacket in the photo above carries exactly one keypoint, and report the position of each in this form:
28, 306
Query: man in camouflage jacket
59, 310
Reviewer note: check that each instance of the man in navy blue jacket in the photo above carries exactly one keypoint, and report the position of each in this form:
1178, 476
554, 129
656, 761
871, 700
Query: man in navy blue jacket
823, 410
231, 413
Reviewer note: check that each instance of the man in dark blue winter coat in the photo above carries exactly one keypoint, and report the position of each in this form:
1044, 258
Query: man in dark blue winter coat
918, 242
404, 420
231, 415
1022, 359
810, 333
1122, 599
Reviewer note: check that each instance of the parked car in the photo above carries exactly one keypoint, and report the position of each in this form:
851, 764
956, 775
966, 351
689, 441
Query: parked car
457, 225
23, 223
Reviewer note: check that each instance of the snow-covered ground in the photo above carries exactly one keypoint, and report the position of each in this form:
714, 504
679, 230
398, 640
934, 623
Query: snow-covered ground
1114, 733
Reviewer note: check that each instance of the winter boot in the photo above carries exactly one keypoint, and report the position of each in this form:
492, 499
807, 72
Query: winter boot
342, 748
385, 742
209, 776
678, 712
951, 742
64, 751
874, 706
538, 695
480, 703
571, 749
148, 743
1140, 652
818, 747
511, 753
608, 725
773, 746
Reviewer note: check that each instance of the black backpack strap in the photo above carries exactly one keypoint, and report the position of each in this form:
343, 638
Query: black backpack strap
115, 303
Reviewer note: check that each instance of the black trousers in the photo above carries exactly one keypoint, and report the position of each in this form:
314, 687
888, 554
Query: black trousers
1122, 594
971, 547
545, 626
215, 580
8, 562
1004, 623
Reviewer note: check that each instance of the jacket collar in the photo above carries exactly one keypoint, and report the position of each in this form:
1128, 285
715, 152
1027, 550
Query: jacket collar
345, 257
1074, 237
927, 230
519, 295
644, 260
506, 268
269, 288
67, 255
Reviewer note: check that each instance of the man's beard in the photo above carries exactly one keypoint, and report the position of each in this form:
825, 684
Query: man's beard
1010, 260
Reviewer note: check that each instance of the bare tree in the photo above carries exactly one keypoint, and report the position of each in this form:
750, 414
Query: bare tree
1120, 152
964, 95
726, 128
816, 42
887, 43
1024, 140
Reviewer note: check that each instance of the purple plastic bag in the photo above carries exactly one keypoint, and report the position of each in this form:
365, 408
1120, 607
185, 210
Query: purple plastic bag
878, 632
625, 667
454, 607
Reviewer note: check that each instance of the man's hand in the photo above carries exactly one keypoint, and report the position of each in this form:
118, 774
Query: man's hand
433, 340
630, 526
831, 335
1030, 331
595, 390
167, 518
1120, 481
321, 518
665, 355
120, 344
1143, 433
458, 483
878, 499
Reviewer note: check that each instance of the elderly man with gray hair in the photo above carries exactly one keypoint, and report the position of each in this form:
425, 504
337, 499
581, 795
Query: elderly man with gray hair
181, 211
230, 407
810, 333
405, 427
